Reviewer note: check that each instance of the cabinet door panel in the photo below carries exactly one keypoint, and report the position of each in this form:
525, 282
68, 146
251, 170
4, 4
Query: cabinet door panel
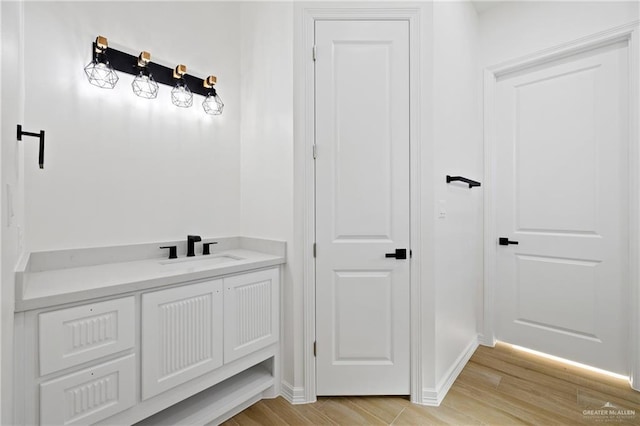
181, 335
90, 395
71, 336
251, 312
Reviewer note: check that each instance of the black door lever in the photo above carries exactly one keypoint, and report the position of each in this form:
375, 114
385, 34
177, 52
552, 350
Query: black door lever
505, 241
399, 254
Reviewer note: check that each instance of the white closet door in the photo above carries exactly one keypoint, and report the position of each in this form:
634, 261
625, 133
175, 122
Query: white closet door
362, 202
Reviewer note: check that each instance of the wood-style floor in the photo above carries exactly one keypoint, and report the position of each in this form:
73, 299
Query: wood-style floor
500, 386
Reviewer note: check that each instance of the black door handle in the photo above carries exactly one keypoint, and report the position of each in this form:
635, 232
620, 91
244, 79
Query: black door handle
399, 254
505, 241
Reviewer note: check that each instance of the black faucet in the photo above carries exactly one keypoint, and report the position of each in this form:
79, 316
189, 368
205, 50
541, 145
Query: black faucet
191, 242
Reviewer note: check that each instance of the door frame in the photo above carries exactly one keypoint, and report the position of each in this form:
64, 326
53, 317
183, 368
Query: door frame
305, 17
630, 33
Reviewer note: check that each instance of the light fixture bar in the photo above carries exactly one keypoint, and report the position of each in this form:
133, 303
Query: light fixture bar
128, 64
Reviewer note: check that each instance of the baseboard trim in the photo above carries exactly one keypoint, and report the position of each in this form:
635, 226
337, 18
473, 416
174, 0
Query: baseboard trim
433, 397
486, 341
295, 395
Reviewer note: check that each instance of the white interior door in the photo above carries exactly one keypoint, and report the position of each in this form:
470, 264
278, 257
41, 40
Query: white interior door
561, 193
362, 207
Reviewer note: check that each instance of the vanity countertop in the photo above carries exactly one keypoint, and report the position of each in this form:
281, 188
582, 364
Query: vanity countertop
46, 279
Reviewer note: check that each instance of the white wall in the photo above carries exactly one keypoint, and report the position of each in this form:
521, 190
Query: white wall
11, 114
458, 150
120, 169
266, 94
515, 29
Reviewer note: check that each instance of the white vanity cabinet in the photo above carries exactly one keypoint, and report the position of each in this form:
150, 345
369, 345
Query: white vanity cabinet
182, 353
181, 335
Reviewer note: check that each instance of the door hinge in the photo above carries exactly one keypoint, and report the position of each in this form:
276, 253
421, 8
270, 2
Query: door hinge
315, 151
314, 349
314, 249
313, 52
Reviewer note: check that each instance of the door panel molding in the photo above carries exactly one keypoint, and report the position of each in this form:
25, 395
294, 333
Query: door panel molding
305, 16
628, 33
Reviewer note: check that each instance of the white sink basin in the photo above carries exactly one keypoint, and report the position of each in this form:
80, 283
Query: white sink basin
198, 261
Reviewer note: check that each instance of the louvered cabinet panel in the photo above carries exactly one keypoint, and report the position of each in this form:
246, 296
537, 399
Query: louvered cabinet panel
181, 335
90, 395
250, 312
72, 336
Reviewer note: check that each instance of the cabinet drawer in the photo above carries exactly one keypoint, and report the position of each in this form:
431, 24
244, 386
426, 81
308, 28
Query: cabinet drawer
90, 395
251, 313
69, 337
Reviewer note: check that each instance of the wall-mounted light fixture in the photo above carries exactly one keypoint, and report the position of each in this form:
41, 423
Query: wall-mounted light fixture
101, 72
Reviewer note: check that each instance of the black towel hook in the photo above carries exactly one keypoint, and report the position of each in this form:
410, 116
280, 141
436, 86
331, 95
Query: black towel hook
35, 135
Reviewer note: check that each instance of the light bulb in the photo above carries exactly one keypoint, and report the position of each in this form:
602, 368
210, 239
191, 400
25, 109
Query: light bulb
212, 104
101, 74
145, 86
181, 96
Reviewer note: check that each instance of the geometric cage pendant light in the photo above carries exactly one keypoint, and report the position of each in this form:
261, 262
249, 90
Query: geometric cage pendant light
144, 85
181, 96
101, 72
212, 104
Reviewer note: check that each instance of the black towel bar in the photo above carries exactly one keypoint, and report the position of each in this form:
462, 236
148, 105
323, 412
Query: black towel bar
40, 136
471, 183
